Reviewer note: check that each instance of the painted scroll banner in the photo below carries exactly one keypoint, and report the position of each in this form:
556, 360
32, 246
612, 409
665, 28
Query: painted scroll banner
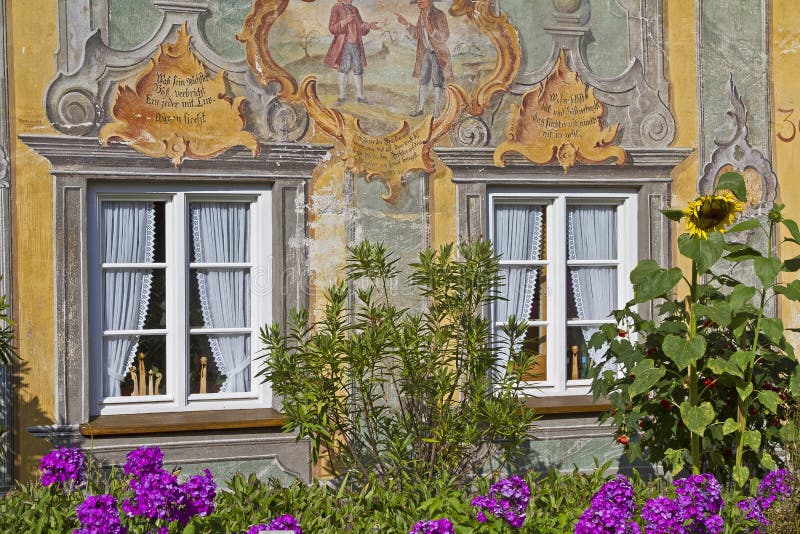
176, 109
560, 119
391, 156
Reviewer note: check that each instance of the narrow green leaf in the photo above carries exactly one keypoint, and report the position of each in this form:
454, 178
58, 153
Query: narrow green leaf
729, 426
720, 366
748, 224
682, 351
740, 475
733, 182
744, 392
767, 269
772, 328
752, 438
673, 215
740, 296
791, 291
704, 252
697, 418
770, 400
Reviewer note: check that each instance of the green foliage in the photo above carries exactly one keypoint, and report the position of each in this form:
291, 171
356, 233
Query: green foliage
708, 384
403, 394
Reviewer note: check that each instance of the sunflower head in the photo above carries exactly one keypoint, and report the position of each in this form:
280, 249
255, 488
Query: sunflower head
709, 213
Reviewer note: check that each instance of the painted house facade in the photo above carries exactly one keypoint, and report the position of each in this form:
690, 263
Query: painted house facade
174, 179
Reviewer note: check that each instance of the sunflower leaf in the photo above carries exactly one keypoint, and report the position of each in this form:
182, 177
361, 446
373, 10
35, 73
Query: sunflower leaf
733, 182
673, 215
704, 252
767, 269
748, 224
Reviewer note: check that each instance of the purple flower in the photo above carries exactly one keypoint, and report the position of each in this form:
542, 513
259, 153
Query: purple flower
611, 510
61, 465
155, 496
508, 498
662, 515
282, 522
437, 526
699, 498
143, 460
775, 486
98, 514
196, 497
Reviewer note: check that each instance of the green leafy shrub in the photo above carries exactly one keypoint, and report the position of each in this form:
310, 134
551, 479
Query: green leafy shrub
403, 394
708, 384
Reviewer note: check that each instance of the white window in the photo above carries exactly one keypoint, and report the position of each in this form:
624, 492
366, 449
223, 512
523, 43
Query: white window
179, 286
566, 258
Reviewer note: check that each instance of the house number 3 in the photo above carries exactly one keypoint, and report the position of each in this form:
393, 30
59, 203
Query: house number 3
788, 128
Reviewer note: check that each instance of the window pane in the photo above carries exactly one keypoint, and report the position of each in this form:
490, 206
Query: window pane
142, 358
518, 231
227, 363
592, 232
591, 292
534, 342
578, 355
219, 298
130, 231
220, 232
133, 298
523, 291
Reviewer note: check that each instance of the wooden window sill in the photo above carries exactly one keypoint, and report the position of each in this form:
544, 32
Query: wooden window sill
567, 404
156, 423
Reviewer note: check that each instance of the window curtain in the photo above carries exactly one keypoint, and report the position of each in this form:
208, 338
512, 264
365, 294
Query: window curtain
128, 237
220, 235
518, 236
592, 235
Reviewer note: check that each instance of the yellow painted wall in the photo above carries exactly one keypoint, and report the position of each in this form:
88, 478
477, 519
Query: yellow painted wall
680, 31
32, 42
784, 66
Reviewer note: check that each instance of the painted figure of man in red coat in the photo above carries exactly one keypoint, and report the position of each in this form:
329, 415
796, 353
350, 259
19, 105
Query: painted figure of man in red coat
433, 62
346, 52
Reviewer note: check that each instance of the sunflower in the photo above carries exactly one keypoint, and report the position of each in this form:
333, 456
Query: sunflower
709, 213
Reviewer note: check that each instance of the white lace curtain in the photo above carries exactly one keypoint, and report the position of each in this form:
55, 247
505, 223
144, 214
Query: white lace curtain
592, 235
518, 236
220, 232
128, 237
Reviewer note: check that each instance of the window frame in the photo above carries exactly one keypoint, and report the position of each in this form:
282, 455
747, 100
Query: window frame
177, 198
556, 202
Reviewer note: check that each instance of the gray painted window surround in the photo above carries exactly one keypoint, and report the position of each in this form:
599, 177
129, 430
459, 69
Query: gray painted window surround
78, 162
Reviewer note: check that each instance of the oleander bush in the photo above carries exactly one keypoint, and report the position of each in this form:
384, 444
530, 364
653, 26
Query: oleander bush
402, 394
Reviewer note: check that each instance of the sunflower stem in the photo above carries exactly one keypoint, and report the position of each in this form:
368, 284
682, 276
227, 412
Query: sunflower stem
692, 371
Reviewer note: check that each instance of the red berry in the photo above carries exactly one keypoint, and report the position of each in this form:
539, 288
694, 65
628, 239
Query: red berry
665, 404
623, 440
622, 333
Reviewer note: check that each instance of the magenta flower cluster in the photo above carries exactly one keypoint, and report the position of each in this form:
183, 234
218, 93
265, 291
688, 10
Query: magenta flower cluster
157, 494
610, 510
775, 486
508, 498
282, 522
98, 514
62, 466
694, 510
433, 526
